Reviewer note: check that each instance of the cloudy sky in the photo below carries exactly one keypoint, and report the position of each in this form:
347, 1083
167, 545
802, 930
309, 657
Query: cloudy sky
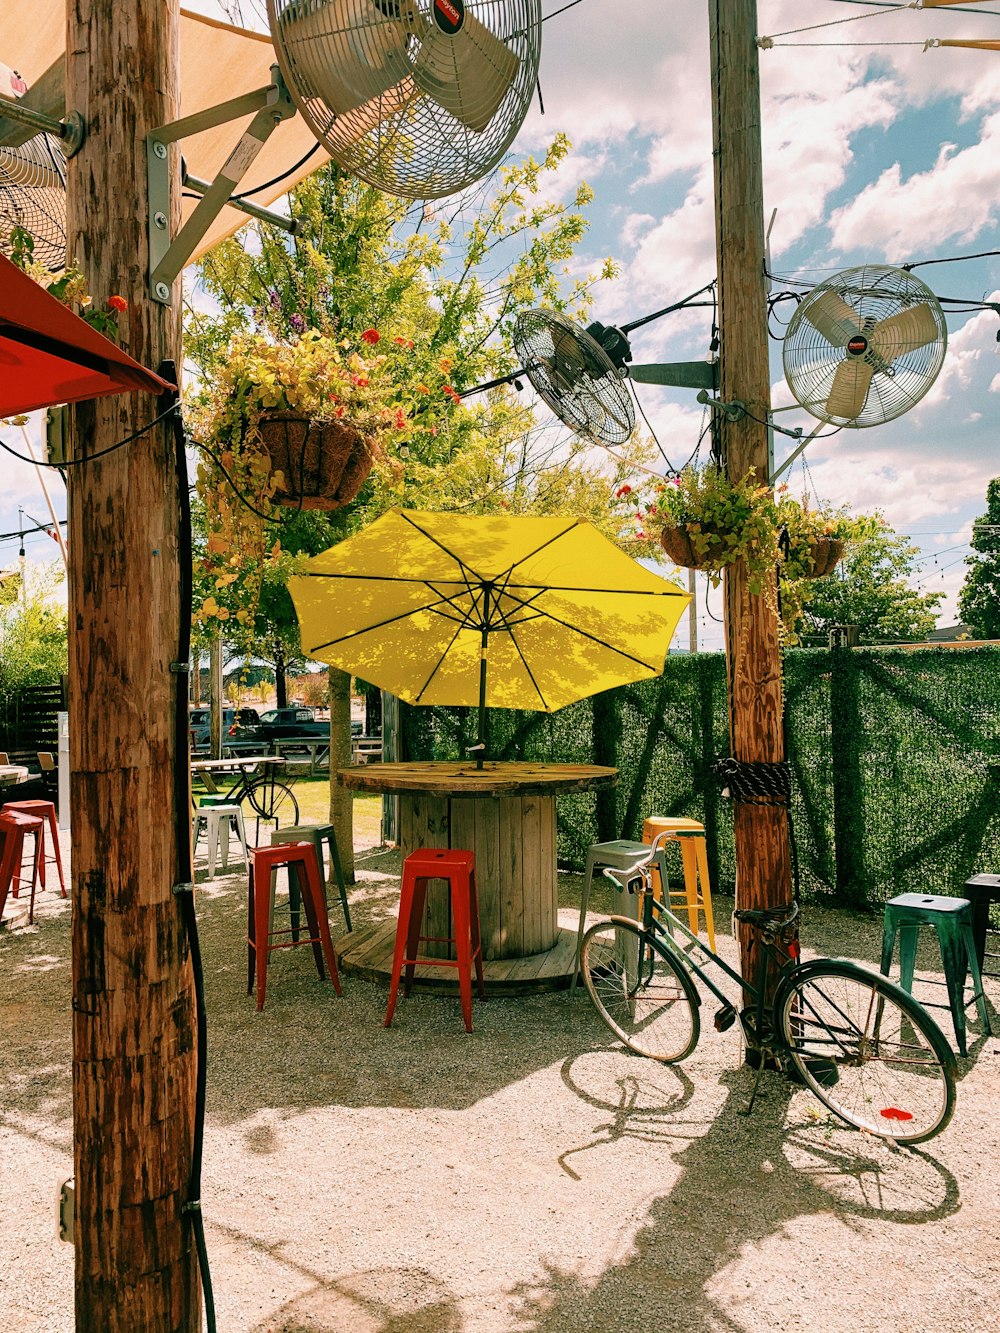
875, 151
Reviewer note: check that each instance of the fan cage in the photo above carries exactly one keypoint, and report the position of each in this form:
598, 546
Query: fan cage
872, 293
575, 377
33, 197
399, 100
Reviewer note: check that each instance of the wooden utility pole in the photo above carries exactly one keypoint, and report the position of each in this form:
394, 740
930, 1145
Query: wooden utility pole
763, 869
134, 1020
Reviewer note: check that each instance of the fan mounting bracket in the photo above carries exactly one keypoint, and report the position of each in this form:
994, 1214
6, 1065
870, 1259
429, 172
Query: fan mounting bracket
269, 106
734, 411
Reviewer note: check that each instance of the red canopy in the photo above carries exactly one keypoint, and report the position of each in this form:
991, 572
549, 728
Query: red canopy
48, 355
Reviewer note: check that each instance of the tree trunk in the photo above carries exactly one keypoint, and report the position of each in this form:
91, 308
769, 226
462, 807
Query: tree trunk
280, 683
134, 1019
341, 800
763, 867
373, 711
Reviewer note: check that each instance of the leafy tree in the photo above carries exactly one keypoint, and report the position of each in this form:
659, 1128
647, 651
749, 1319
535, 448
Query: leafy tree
870, 589
979, 598
439, 286
33, 634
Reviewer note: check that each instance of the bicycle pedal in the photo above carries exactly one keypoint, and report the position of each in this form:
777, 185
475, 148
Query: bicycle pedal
724, 1018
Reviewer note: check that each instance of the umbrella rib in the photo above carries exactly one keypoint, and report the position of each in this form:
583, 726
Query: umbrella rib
479, 578
575, 629
381, 624
437, 665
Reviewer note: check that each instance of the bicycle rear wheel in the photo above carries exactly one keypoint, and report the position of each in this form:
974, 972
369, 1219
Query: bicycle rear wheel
643, 994
271, 799
868, 1050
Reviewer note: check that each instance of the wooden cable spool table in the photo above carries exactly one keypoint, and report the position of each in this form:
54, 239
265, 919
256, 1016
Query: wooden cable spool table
506, 814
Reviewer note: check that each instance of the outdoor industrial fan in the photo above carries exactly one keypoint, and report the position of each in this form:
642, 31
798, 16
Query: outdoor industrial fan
582, 374
865, 346
417, 97
33, 190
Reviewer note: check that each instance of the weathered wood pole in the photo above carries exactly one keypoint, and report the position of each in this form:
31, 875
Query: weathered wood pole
133, 1003
763, 868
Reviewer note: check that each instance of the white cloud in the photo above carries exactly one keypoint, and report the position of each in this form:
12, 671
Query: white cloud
953, 201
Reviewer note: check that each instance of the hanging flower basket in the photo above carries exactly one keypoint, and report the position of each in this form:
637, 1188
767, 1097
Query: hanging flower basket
825, 552
324, 463
676, 541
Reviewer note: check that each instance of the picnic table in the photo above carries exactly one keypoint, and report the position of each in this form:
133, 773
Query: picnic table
506, 814
314, 753
12, 773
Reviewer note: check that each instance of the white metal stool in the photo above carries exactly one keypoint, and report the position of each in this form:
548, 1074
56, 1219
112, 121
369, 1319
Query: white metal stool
618, 855
218, 820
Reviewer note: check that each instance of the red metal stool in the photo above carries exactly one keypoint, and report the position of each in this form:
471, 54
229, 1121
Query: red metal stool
459, 869
43, 810
300, 858
13, 827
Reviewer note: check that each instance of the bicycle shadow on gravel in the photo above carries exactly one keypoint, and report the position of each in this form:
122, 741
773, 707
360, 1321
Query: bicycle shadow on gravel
749, 1187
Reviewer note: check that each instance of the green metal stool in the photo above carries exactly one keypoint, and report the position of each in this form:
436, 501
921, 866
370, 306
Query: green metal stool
317, 834
951, 919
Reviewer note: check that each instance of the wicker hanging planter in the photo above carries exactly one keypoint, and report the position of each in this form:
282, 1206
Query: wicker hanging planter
826, 552
677, 544
324, 463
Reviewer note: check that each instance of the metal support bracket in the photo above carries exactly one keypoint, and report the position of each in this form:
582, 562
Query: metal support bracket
679, 374
734, 411
66, 1211
270, 105
70, 131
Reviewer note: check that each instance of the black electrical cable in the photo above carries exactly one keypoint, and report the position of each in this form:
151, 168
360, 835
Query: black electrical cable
184, 889
79, 462
198, 444
276, 180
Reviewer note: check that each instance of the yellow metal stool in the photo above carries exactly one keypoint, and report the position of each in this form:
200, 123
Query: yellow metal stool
696, 895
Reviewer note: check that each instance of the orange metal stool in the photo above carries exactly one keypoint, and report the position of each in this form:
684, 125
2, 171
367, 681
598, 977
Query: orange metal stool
13, 827
697, 893
300, 858
459, 869
43, 810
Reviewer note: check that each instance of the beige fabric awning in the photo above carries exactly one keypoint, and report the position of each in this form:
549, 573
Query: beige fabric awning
218, 62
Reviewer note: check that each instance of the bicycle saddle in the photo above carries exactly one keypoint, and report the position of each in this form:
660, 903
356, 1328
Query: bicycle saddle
768, 916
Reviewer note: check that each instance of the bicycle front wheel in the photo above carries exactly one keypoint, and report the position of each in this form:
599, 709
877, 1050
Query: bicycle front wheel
271, 799
868, 1050
643, 994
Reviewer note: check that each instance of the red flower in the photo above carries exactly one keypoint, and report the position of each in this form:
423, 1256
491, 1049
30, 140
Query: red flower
118, 303
622, 490
450, 393
371, 336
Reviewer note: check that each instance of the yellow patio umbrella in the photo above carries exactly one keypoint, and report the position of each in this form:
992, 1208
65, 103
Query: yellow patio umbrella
494, 611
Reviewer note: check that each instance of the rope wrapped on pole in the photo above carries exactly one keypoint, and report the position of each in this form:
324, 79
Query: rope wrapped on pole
755, 783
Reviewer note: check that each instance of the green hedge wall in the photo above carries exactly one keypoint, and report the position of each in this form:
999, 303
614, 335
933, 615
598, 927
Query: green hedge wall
895, 757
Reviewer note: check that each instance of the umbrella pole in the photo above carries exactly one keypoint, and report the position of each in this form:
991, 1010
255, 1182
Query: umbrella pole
484, 640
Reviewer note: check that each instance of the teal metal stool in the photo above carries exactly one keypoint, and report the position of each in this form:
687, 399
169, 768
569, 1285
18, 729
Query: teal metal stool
621, 854
951, 920
317, 834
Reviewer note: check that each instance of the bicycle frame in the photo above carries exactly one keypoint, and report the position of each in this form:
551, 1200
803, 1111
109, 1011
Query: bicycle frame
661, 922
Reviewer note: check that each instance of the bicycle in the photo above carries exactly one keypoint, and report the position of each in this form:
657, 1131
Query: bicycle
871, 1054
268, 797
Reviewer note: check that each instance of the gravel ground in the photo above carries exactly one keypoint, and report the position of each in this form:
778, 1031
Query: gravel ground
530, 1178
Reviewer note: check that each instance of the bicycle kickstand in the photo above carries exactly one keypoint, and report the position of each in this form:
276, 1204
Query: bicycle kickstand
756, 1086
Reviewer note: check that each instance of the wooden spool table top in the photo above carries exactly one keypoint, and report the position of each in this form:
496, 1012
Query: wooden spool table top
493, 779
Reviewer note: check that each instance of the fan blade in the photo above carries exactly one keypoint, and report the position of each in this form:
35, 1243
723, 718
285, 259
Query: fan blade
833, 318
904, 332
344, 52
849, 391
467, 72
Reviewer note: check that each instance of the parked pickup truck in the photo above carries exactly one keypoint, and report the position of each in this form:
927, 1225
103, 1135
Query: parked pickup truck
293, 723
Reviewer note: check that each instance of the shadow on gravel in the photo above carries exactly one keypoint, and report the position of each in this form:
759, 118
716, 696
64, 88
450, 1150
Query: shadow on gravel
711, 1218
